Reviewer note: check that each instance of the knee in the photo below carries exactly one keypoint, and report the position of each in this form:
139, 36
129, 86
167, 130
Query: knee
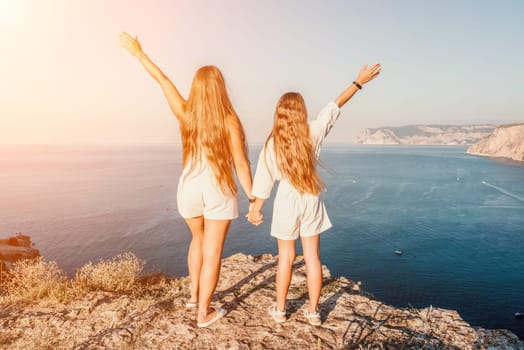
211, 253
197, 239
312, 259
287, 258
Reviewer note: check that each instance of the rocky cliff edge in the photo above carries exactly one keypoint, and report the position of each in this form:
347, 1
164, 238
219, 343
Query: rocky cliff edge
152, 315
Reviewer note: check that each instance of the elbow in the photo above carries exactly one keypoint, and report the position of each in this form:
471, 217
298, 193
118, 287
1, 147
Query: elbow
162, 79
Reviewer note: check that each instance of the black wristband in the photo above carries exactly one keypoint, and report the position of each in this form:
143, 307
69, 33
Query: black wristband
357, 85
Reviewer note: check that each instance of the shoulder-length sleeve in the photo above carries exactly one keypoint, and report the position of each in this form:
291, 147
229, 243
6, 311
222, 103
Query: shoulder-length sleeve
320, 127
265, 175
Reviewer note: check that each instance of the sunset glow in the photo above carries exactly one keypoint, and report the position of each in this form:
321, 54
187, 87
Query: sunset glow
65, 78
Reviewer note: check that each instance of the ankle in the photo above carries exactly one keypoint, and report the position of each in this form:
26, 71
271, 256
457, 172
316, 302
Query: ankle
283, 309
204, 313
313, 309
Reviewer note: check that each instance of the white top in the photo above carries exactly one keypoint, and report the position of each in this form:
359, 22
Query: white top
267, 169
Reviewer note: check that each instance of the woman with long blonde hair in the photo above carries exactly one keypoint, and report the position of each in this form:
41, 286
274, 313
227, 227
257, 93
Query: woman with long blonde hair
290, 155
213, 144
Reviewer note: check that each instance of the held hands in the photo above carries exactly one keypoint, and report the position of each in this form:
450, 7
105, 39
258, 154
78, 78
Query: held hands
368, 73
131, 44
255, 217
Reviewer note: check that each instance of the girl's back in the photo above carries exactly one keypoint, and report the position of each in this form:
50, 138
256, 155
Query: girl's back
298, 209
270, 168
205, 128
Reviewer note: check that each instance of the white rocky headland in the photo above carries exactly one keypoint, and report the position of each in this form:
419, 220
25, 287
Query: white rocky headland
425, 135
506, 141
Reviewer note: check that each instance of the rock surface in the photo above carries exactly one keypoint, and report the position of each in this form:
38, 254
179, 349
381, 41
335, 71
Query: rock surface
16, 248
506, 141
425, 135
157, 318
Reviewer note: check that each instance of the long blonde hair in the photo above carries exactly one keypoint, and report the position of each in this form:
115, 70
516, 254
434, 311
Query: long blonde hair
209, 115
292, 144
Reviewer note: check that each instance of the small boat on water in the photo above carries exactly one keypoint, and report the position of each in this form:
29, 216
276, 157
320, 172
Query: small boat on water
519, 315
398, 252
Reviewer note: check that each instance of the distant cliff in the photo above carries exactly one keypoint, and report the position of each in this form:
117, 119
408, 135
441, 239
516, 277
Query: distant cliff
425, 135
506, 141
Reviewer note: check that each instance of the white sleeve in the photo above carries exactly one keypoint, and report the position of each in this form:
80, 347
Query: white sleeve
264, 177
320, 127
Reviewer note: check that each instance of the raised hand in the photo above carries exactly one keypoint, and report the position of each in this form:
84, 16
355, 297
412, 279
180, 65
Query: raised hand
368, 73
131, 44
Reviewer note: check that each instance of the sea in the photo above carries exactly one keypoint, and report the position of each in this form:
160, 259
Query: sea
457, 219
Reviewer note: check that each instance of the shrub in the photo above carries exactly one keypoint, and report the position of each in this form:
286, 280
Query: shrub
34, 279
115, 275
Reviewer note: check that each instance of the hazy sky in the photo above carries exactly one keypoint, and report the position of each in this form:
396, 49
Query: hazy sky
65, 79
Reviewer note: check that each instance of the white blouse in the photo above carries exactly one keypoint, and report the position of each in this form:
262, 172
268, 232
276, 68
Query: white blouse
267, 169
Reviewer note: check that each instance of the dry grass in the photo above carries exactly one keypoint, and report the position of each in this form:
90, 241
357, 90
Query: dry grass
158, 284
31, 280
34, 279
114, 275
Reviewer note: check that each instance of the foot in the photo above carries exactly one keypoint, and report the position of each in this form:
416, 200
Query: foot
313, 317
216, 314
278, 315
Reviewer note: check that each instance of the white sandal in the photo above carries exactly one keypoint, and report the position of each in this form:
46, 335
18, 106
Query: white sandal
278, 316
219, 314
313, 317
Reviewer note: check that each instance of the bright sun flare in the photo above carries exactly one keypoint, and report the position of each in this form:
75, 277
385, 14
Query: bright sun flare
9, 11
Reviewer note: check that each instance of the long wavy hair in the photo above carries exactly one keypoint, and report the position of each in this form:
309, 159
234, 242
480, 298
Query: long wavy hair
292, 144
205, 129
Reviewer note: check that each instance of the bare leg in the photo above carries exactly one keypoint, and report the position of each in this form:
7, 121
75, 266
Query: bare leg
311, 248
286, 257
215, 232
194, 255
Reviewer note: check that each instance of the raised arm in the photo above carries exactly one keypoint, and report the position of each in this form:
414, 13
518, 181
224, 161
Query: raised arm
174, 99
366, 74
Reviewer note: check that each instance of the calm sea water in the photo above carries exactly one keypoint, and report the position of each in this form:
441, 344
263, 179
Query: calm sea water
458, 219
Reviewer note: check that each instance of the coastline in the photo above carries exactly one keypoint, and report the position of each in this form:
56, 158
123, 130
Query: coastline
502, 159
506, 141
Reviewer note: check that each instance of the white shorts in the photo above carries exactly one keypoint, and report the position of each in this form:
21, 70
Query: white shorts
296, 215
200, 195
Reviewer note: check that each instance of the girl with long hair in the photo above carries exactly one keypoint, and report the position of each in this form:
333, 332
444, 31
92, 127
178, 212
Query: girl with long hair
213, 145
290, 155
